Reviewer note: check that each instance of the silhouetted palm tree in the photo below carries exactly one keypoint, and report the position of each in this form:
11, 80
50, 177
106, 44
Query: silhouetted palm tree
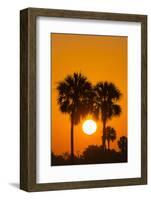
105, 104
122, 144
74, 98
110, 135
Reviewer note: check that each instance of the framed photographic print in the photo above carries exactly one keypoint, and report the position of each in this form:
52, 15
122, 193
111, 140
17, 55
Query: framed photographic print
83, 92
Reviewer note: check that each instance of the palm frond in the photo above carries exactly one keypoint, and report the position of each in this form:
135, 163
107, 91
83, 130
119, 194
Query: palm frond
106, 96
75, 96
110, 133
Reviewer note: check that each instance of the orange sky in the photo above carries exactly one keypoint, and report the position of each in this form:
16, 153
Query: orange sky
99, 58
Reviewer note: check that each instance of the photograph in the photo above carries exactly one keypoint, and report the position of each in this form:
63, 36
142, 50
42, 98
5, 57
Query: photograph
89, 96
83, 99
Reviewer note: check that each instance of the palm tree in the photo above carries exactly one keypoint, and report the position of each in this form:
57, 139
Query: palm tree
74, 98
105, 104
110, 135
122, 144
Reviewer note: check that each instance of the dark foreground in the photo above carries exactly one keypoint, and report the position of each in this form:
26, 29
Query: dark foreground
92, 155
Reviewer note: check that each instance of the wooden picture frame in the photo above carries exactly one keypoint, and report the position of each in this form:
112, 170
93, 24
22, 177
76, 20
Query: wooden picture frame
28, 98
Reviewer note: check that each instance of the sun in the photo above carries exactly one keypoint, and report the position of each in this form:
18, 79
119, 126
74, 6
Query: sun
89, 127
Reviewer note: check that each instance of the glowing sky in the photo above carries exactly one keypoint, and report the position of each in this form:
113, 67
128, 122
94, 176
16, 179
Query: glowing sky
99, 58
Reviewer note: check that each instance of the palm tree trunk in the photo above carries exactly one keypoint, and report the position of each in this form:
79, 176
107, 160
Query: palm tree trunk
72, 140
103, 137
108, 144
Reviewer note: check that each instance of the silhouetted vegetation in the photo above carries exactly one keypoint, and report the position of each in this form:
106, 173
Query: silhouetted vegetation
93, 154
122, 144
110, 135
105, 104
77, 98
